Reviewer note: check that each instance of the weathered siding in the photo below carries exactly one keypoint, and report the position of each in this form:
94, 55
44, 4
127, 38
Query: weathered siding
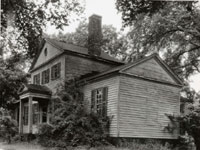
113, 90
77, 66
51, 52
151, 69
142, 108
53, 84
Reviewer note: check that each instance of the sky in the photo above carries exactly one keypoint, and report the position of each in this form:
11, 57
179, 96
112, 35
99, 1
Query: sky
106, 9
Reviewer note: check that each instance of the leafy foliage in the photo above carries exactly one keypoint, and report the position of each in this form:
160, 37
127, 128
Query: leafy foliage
132, 9
11, 78
31, 18
174, 35
8, 126
191, 123
72, 124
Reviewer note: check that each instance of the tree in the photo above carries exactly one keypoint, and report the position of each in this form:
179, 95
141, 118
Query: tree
11, 78
190, 123
175, 35
31, 17
132, 9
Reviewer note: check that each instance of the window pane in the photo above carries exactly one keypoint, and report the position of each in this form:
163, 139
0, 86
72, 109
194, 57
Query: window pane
36, 113
99, 101
55, 71
36, 79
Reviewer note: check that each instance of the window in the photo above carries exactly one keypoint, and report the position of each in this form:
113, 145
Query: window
99, 101
36, 113
45, 51
55, 71
36, 79
45, 76
25, 115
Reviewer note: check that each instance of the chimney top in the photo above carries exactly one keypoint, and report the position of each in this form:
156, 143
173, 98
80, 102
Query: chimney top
95, 16
95, 35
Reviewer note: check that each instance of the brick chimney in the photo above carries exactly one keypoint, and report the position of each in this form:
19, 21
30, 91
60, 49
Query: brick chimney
95, 35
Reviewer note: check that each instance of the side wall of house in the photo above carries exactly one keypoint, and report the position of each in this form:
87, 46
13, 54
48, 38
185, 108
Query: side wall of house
77, 66
113, 90
53, 84
142, 108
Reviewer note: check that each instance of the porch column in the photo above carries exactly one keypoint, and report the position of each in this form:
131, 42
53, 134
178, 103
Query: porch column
48, 114
20, 115
30, 114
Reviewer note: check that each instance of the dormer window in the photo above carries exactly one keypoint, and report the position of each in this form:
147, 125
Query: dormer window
45, 52
36, 79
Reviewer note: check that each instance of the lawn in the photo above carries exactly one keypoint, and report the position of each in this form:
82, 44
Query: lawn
31, 146
19, 146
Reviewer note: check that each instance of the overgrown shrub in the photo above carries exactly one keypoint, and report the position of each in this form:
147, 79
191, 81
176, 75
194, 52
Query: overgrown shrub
45, 134
8, 127
72, 124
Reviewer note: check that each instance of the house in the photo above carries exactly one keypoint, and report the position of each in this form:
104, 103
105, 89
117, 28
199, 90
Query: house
137, 95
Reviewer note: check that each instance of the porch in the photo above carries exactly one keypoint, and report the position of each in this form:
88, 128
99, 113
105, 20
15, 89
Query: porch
33, 108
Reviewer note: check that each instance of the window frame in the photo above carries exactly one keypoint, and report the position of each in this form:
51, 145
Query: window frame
99, 103
36, 79
45, 76
56, 71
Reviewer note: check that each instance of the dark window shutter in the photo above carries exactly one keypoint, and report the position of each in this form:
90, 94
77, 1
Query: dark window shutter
105, 100
52, 73
48, 76
38, 78
93, 100
59, 69
43, 76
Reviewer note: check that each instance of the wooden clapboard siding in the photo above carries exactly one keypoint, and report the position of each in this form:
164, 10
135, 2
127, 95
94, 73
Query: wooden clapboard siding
76, 66
151, 69
113, 89
142, 108
53, 84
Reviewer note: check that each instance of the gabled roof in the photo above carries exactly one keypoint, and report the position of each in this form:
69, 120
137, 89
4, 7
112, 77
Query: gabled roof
122, 68
78, 49
34, 88
66, 47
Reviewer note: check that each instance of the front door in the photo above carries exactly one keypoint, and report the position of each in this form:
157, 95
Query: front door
39, 115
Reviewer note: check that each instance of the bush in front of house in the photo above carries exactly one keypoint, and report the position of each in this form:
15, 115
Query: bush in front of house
71, 123
8, 127
45, 134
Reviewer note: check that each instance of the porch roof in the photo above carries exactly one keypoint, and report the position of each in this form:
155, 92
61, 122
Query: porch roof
34, 88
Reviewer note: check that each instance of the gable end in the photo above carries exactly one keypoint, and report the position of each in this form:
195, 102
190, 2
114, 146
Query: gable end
152, 68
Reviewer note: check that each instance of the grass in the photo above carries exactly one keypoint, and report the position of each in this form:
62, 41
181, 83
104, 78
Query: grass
32, 146
20, 146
